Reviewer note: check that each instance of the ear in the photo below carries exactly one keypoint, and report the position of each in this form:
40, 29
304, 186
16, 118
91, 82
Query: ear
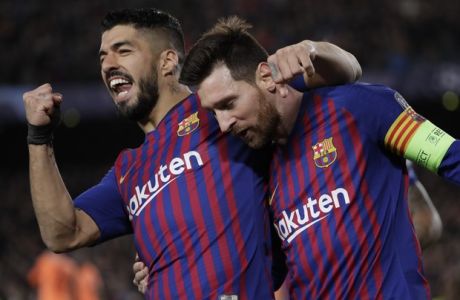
265, 79
169, 61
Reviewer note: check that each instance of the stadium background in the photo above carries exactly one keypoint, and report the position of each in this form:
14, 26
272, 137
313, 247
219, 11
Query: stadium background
411, 45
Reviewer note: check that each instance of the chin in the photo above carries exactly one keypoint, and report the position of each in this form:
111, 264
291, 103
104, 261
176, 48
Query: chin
256, 144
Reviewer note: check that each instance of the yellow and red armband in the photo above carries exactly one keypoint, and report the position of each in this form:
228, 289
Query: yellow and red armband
418, 140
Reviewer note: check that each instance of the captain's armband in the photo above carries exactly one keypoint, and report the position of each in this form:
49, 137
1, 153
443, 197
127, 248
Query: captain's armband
418, 140
428, 146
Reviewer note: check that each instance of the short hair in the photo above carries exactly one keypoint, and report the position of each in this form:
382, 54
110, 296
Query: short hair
229, 43
149, 18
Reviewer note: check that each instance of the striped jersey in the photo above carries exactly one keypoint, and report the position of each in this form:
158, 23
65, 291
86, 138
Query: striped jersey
340, 197
194, 199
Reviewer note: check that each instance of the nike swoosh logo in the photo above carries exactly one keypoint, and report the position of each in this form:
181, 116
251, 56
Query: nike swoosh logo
122, 178
273, 195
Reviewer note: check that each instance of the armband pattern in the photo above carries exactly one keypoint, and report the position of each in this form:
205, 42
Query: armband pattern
402, 130
418, 140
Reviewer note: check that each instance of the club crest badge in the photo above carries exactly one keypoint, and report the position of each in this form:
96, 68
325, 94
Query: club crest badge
324, 153
188, 125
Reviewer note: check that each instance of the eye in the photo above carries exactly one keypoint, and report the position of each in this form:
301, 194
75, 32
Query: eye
124, 51
227, 104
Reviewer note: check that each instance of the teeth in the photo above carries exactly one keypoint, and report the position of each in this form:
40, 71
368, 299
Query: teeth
122, 93
117, 81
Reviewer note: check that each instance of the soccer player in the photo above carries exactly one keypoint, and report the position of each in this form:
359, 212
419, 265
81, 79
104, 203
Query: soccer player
193, 197
338, 176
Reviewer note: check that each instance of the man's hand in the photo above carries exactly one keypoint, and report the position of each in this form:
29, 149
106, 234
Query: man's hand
141, 275
42, 113
41, 104
292, 60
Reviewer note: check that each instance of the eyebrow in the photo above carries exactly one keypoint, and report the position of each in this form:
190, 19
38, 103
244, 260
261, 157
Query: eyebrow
116, 46
224, 101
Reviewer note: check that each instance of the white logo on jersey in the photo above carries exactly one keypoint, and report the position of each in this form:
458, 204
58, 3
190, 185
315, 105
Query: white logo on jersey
294, 222
163, 177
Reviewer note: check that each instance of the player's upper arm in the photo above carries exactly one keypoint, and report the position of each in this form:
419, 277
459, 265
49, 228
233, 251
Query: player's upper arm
404, 132
416, 138
389, 120
102, 207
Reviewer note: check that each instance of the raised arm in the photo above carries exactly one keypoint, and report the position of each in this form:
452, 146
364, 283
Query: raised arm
62, 226
321, 64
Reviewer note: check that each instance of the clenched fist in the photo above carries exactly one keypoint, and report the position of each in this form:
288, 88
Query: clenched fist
42, 113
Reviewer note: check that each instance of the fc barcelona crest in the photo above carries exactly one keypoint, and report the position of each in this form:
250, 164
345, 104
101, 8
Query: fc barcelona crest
324, 153
188, 124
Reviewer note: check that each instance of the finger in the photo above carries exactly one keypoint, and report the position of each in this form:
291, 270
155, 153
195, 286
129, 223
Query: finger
140, 275
283, 63
295, 65
307, 66
44, 90
305, 56
137, 266
143, 286
274, 68
57, 98
48, 108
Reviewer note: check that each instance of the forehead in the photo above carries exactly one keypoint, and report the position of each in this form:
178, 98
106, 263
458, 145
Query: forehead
217, 86
121, 33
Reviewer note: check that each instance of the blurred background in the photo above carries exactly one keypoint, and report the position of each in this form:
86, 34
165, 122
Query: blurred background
411, 45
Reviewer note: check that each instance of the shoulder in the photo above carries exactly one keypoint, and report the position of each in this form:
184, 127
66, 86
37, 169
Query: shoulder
357, 90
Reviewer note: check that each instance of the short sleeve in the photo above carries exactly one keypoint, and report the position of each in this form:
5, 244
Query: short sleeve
387, 116
103, 203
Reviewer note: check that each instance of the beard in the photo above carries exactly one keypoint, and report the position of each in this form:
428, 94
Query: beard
268, 121
147, 98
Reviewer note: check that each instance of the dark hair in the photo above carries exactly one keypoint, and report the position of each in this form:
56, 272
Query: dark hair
228, 42
149, 18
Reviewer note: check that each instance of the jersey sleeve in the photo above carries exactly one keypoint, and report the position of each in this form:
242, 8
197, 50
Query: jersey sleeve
401, 129
103, 203
450, 165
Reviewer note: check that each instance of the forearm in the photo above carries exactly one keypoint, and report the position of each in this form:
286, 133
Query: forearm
52, 203
333, 65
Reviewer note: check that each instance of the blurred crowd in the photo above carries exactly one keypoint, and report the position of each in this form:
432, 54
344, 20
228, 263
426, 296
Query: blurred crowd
59, 40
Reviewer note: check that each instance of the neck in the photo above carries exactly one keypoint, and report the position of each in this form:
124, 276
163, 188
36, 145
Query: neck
288, 109
170, 95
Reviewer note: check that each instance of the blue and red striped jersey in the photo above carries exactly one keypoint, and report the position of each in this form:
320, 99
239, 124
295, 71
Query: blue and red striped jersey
195, 200
340, 200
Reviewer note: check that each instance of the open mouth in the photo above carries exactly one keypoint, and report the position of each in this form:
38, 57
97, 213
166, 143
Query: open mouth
120, 86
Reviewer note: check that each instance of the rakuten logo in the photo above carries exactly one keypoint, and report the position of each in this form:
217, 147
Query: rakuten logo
314, 210
162, 178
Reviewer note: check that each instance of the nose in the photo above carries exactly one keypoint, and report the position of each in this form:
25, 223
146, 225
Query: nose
110, 62
225, 120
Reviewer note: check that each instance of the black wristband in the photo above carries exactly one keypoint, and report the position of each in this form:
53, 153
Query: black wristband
43, 135
40, 135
